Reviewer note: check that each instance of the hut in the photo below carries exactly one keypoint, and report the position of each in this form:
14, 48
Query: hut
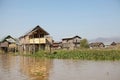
57, 45
8, 44
71, 43
34, 40
113, 43
97, 45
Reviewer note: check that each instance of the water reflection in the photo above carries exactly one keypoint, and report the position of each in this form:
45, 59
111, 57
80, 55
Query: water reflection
9, 68
36, 69
24, 68
85, 70
5, 62
28, 68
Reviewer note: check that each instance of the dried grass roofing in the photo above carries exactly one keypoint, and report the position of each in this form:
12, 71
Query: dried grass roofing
9, 39
35, 29
71, 38
96, 43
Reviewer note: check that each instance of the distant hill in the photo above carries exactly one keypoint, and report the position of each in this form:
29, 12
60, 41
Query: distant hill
106, 40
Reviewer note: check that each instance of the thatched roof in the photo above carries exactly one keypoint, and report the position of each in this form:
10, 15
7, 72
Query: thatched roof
113, 43
71, 38
96, 44
9, 39
37, 28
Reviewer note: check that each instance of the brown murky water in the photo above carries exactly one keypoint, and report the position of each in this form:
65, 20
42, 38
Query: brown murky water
28, 68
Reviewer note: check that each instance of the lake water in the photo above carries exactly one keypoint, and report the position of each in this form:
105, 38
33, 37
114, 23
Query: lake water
29, 68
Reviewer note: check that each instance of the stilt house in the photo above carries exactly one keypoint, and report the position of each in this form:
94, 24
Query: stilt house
8, 44
71, 43
97, 45
34, 40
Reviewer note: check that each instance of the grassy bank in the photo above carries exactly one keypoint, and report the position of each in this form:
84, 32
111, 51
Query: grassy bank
79, 54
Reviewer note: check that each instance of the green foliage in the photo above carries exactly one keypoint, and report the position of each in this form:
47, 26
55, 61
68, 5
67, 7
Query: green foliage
84, 43
84, 54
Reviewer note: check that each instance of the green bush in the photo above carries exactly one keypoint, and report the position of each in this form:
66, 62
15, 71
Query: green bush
85, 54
84, 43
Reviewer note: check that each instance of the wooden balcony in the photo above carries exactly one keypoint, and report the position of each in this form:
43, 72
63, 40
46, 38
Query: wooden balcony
38, 41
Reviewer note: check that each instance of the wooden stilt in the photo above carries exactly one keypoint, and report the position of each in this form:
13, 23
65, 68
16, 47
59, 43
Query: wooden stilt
39, 42
33, 44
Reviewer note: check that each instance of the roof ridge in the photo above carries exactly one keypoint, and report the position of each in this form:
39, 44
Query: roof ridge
71, 37
33, 29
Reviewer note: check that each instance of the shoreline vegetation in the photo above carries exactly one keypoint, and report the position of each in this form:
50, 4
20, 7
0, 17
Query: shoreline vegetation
82, 54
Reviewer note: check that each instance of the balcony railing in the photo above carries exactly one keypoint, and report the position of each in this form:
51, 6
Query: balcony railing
38, 41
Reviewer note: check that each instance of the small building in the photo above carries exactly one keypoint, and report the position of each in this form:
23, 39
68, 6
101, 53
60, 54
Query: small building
57, 45
97, 45
113, 43
8, 44
71, 43
34, 40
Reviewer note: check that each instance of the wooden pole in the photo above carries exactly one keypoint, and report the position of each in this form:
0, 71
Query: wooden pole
34, 42
50, 48
39, 41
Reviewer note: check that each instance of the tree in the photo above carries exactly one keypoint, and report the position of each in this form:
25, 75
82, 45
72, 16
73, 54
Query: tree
84, 43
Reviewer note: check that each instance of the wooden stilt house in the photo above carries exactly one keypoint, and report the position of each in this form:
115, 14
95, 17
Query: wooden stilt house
71, 43
34, 40
8, 44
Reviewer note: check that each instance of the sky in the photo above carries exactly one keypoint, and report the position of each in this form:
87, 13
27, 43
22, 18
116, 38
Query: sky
61, 18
